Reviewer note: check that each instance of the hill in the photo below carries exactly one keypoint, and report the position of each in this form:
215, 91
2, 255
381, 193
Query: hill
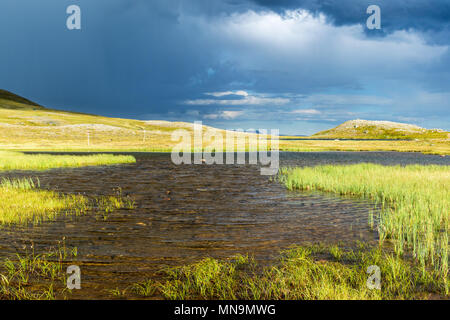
25, 125
364, 129
10, 100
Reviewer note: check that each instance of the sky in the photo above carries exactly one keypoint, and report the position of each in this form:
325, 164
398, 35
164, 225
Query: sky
299, 66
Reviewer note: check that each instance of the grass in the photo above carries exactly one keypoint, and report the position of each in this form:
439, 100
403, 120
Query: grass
432, 146
302, 273
362, 129
23, 202
20, 161
36, 277
414, 203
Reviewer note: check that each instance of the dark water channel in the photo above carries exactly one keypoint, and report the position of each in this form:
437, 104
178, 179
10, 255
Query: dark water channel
188, 212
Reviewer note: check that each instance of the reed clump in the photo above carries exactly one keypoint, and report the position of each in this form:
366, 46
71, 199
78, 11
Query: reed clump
10, 160
414, 203
23, 202
32, 276
302, 273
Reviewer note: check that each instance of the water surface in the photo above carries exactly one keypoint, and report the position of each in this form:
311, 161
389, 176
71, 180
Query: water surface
188, 212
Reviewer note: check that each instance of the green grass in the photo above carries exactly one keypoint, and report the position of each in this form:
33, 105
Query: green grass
361, 129
414, 203
22, 202
301, 272
28, 127
19, 161
36, 277
305, 273
436, 146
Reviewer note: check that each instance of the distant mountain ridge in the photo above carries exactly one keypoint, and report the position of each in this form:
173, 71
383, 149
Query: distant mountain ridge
366, 129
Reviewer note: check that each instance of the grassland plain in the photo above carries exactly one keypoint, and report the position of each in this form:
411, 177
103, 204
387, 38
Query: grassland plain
27, 126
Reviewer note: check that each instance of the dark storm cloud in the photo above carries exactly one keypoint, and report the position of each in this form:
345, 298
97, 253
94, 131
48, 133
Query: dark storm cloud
156, 59
398, 14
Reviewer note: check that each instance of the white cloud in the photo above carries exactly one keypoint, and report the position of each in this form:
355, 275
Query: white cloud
246, 100
306, 111
227, 115
301, 58
228, 93
310, 49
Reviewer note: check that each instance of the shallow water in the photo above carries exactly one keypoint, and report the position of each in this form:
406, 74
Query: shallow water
185, 213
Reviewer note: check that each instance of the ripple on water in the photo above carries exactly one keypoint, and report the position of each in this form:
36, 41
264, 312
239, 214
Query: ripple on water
187, 212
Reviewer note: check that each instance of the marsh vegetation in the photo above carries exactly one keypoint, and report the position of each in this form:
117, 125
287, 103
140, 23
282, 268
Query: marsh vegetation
414, 200
33, 276
10, 160
23, 201
301, 273
409, 221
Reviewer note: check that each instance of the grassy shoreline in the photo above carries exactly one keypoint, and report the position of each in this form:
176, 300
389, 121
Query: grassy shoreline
437, 147
22, 201
414, 199
311, 272
19, 161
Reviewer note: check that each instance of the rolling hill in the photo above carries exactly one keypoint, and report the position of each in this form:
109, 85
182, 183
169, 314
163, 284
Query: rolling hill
26, 125
364, 129
9, 100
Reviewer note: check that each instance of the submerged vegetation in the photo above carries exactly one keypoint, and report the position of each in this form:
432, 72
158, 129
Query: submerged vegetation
36, 277
302, 272
23, 202
414, 203
305, 273
19, 161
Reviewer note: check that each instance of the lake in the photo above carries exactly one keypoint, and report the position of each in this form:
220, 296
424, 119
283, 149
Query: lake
188, 212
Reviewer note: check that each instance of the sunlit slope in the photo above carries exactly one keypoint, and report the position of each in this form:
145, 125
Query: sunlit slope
9, 100
26, 125
364, 129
